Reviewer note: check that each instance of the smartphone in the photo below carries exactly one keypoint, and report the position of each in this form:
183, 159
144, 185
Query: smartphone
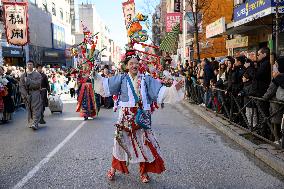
275, 68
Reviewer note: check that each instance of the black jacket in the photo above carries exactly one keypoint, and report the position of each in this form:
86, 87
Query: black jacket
237, 82
249, 89
263, 76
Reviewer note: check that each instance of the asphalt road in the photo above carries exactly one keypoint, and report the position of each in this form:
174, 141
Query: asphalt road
71, 153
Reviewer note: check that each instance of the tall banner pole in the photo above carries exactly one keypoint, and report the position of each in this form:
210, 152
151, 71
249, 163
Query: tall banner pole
184, 32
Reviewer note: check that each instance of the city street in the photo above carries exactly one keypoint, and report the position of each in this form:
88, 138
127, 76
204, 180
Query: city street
71, 153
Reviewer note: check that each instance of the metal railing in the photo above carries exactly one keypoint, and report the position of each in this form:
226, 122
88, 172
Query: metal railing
254, 116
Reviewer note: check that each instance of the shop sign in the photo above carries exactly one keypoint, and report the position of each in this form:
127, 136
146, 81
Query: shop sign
172, 19
15, 52
51, 54
12, 52
216, 28
16, 22
254, 9
177, 5
236, 43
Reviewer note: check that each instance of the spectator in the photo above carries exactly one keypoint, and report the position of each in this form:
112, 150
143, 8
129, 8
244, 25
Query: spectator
221, 77
263, 73
229, 73
208, 72
270, 94
9, 107
249, 89
237, 74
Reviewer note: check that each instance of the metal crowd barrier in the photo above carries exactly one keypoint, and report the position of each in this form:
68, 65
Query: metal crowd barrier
233, 109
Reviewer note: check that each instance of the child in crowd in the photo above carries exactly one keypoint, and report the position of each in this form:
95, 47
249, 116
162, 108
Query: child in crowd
249, 89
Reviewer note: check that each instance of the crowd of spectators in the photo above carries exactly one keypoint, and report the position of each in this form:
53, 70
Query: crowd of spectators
240, 77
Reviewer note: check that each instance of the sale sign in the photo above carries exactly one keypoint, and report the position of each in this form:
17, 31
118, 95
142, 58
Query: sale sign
172, 19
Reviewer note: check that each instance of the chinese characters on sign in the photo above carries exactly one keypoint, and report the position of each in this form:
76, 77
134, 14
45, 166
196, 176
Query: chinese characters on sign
172, 20
16, 22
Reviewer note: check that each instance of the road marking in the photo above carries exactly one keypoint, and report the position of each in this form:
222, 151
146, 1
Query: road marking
47, 158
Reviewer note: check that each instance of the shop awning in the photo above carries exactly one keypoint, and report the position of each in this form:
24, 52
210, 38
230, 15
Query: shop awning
169, 44
243, 29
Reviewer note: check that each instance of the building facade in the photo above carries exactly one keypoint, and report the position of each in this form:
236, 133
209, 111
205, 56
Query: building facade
106, 50
50, 35
254, 26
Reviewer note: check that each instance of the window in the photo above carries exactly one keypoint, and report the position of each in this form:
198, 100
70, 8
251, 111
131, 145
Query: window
61, 13
67, 17
53, 9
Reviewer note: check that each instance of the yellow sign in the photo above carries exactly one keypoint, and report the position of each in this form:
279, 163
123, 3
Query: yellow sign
237, 43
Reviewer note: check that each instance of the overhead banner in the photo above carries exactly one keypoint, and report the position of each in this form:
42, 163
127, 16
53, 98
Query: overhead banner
128, 11
16, 22
172, 19
216, 28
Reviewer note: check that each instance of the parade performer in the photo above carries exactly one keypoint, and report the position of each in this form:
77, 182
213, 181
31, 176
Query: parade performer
45, 90
134, 140
30, 85
86, 101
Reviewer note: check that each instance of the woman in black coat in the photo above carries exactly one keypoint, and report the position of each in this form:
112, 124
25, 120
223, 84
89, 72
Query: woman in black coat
9, 106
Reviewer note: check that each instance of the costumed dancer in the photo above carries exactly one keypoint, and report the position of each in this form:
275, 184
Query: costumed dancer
134, 140
86, 101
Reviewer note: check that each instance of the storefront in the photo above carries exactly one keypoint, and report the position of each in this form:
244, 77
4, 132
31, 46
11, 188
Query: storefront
54, 57
12, 56
253, 28
47, 56
243, 46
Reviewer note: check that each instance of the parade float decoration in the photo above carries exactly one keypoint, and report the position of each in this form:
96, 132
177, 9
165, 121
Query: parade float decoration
83, 54
135, 30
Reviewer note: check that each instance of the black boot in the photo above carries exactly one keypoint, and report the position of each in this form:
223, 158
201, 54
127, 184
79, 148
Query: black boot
42, 121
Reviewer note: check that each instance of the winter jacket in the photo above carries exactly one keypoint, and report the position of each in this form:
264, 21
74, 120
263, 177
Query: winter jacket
237, 82
274, 107
208, 74
249, 89
263, 76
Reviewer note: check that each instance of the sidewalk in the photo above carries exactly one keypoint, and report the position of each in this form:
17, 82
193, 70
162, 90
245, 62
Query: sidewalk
267, 153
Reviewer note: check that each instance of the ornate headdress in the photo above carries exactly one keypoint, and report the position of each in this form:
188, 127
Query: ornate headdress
129, 55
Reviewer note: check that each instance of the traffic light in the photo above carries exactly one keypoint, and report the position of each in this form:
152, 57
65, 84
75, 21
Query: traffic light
177, 5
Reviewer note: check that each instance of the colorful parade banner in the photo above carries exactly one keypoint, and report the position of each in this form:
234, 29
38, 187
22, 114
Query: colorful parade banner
128, 11
16, 22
